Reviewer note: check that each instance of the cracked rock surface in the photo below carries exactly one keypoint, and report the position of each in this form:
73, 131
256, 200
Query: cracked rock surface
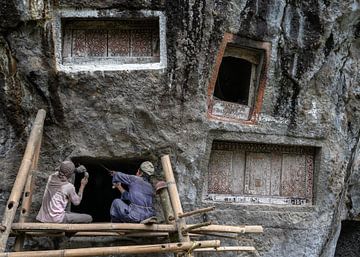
312, 97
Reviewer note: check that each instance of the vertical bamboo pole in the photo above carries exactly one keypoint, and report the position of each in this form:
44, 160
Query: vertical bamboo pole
175, 199
165, 202
27, 197
18, 187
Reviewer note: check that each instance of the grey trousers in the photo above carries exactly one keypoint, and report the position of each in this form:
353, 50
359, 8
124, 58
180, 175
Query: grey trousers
72, 217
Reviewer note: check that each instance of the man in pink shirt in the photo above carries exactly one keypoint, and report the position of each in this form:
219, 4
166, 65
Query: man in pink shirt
57, 194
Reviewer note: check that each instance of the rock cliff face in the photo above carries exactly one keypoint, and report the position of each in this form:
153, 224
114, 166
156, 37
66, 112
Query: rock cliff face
312, 97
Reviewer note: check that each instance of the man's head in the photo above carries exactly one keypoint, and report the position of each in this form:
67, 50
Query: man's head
67, 168
147, 168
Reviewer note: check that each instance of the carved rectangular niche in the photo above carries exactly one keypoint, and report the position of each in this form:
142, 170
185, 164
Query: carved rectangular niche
261, 173
110, 40
238, 81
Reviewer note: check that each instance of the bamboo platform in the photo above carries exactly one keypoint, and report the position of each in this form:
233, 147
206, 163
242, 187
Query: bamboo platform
183, 237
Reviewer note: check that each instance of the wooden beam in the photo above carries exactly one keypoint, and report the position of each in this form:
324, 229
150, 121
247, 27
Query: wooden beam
103, 251
18, 187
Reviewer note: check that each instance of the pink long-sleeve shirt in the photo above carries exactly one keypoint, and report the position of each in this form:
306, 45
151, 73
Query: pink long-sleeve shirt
56, 197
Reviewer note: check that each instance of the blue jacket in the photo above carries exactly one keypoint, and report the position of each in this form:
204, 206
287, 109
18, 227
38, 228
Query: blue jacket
140, 194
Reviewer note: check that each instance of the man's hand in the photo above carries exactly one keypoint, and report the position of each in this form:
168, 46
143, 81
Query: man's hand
119, 187
84, 181
81, 169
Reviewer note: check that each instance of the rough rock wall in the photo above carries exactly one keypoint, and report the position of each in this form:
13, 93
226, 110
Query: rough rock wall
311, 98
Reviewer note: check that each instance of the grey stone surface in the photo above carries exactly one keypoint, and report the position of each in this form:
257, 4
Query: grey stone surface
311, 98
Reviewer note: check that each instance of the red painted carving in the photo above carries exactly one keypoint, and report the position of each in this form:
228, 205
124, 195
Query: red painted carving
78, 43
141, 43
119, 43
96, 41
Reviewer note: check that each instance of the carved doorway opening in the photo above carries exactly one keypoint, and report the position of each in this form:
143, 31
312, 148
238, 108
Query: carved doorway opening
98, 193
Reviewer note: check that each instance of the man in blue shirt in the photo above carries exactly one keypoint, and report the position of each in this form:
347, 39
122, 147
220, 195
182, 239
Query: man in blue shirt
136, 204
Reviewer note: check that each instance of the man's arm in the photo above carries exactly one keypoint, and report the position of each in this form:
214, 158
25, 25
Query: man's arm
119, 177
76, 198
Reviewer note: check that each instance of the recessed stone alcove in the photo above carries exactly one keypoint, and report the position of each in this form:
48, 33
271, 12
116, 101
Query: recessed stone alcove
99, 194
258, 173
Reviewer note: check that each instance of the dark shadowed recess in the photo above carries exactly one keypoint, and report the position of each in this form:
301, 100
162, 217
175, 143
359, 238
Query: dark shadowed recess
99, 194
348, 244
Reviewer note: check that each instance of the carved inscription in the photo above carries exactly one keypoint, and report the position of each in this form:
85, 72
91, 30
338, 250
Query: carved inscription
258, 172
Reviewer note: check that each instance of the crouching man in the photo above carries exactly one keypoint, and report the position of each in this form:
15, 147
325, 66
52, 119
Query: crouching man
57, 194
136, 204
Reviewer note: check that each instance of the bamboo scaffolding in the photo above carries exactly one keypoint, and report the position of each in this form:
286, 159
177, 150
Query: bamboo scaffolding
102, 251
130, 227
198, 211
174, 198
196, 226
227, 249
166, 204
27, 196
18, 187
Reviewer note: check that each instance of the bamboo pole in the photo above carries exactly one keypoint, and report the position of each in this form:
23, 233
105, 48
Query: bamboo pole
166, 204
227, 249
13, 201
102, 251
231, 229
92, 227
198, 211
27, 197
174, 197
196, 226
130, 227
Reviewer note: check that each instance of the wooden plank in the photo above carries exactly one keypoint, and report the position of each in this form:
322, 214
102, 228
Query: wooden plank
238, 171
293, 181
276, 161
258, 171
219, 172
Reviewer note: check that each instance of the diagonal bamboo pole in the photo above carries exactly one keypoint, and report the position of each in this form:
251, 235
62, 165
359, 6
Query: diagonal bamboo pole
27, 197
175, 201
198, 211
18, 187
174, 197
102, 251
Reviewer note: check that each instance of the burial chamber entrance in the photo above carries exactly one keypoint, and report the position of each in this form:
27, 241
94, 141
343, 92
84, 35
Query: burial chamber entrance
348, 243
99, 194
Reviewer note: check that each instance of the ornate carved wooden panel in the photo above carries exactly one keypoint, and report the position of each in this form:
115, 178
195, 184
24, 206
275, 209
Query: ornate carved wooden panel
261, 173
102, 41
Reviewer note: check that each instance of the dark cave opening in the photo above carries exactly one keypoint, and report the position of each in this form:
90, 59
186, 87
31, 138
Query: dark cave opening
348, 243
98, 193
233, 81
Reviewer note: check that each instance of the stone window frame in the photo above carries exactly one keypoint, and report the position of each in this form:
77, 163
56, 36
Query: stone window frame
261, 200
101, 15
255, 104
